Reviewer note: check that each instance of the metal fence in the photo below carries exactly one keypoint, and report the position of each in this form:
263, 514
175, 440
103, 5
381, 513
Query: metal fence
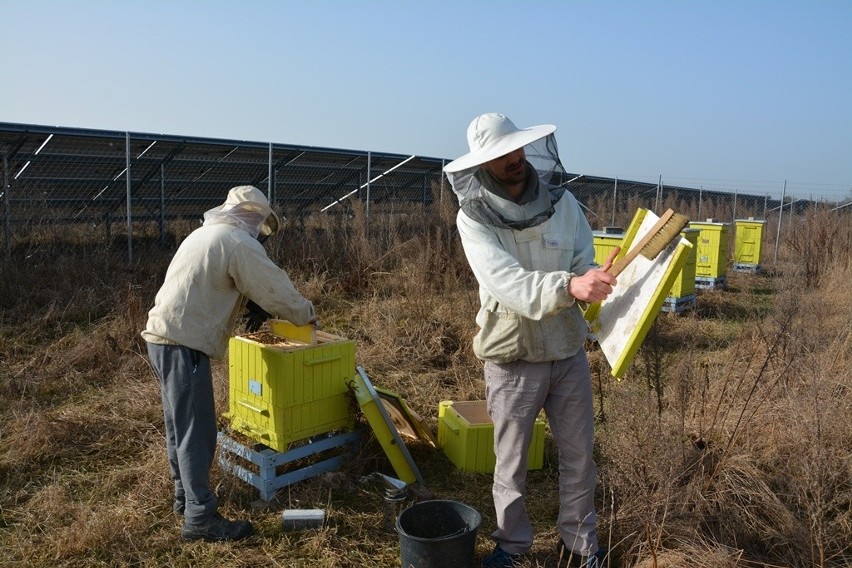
56, 179
116, 180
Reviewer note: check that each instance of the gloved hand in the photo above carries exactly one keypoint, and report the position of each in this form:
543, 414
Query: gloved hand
255, 316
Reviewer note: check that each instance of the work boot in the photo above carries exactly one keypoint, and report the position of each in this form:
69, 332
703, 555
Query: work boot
499, 558
216, 528
178, 507
571, 559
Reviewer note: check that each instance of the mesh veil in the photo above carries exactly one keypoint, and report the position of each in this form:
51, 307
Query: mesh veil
542, 156
243, 216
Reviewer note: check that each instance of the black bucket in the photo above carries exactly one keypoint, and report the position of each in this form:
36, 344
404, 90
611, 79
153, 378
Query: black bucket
437, 534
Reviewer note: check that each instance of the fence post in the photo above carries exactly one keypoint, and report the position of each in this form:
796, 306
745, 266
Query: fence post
270, 186
369, 167
443, 176
780, 215
162, 204
734, 214
659, 192
614, 200
129, 213
700, 191
7, 207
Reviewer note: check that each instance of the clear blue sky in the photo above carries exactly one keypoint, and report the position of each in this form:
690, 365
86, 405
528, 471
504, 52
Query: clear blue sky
717, 94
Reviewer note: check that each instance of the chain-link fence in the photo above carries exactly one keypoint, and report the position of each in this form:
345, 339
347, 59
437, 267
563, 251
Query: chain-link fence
125, 186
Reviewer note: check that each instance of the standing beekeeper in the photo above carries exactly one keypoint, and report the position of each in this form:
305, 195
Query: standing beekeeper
531, 249
216, 268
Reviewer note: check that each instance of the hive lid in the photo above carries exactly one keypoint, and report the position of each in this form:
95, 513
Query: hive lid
384, 428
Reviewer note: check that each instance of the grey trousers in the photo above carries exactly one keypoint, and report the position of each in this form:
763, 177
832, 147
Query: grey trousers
516, 392
186, 386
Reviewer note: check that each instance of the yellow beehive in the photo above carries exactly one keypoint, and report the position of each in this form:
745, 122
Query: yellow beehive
684, 284
283, 391
711, 256
466, 435
605, 241
748, 245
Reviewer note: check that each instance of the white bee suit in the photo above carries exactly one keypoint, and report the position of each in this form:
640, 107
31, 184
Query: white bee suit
523, 252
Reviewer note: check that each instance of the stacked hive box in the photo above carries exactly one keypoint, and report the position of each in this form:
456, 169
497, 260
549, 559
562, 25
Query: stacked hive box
282, 391
682, 294
748, 245
605, 241
711, 260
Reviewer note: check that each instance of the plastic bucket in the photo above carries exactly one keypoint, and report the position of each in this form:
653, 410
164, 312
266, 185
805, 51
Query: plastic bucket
437, 534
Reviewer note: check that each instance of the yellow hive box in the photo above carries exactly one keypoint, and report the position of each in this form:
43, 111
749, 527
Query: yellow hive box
711, 256
283, 391
605, 241
466, 435
292, 332
748, 241
684, 284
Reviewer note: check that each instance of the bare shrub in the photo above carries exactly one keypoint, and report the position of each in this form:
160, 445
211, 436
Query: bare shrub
819, 239
726, 444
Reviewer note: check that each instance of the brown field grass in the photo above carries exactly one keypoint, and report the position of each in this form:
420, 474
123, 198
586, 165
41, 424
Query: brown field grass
727, 444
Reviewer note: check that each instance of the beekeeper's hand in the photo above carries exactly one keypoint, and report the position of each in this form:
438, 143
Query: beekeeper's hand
254, 316
596, 284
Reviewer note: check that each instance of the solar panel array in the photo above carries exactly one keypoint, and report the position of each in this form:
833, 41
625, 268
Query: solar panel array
74, 175
54, 176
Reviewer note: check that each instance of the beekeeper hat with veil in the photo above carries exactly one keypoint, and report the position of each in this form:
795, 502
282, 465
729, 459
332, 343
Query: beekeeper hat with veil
246, 207
491, 136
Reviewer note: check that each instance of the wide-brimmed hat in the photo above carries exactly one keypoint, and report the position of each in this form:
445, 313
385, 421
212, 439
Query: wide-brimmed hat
492, 135
248, 197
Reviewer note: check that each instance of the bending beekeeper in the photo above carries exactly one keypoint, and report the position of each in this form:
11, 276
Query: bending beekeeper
531, 249
216, 268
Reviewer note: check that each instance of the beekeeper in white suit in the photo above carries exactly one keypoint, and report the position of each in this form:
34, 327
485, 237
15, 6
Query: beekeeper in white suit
531, 249
216, 268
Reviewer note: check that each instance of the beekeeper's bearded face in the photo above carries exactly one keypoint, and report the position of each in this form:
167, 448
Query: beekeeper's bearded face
509, 169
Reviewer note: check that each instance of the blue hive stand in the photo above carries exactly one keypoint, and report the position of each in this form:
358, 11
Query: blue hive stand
267, 480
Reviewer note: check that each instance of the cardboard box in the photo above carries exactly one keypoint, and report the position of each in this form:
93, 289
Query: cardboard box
466, 435
281, 392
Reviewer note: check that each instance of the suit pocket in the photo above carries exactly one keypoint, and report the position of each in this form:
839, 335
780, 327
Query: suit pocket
558, 251
499, 338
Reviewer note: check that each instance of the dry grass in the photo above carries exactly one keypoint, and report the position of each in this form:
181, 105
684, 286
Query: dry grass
728, 443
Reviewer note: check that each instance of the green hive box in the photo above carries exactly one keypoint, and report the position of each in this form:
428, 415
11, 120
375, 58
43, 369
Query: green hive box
282, 392
466, 435
711, 256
